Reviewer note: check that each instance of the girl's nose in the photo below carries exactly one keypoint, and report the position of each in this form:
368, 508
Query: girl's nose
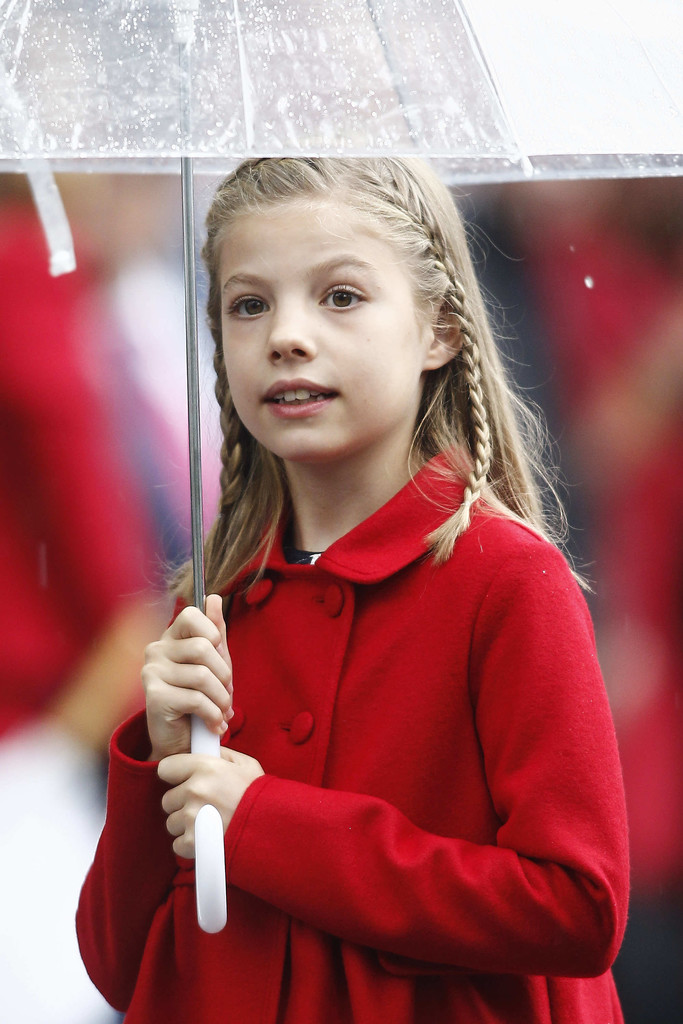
290, 339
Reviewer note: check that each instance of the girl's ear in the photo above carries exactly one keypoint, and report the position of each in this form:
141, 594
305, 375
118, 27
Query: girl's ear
446, 342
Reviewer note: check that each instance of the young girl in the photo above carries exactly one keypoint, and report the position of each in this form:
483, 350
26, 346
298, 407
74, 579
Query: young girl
419, 780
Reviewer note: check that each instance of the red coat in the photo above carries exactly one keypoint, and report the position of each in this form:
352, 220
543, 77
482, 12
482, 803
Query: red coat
440, 835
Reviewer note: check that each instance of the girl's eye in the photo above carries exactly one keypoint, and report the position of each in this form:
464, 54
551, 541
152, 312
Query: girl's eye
248, 306
341, 298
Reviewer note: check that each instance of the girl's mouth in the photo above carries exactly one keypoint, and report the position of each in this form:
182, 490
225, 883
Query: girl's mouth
295, 403
299, 396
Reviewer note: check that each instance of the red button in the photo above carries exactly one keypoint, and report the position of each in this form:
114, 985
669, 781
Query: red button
301, 728
333, 600
236, 722
259, 592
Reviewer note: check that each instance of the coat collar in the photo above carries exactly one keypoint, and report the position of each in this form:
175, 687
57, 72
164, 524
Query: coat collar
390, 539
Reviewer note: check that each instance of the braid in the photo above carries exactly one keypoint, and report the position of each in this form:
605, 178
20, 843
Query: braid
481, 434
455, 304
480, 427
232, 476
232, 460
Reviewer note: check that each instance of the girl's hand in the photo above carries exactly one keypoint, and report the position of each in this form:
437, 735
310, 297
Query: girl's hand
188, 672
198, 780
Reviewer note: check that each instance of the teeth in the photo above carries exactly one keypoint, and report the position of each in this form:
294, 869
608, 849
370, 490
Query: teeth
301, 395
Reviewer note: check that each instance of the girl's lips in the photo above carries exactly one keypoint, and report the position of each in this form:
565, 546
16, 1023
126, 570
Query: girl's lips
300, 408
297, 389
298, 398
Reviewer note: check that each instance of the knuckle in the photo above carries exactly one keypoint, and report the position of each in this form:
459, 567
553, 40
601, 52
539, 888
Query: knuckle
205, 676
152, 653
151, 685
187, 616
204, 708
199, 649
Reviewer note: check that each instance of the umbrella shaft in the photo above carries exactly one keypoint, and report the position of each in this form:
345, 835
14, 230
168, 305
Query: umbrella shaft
192, 360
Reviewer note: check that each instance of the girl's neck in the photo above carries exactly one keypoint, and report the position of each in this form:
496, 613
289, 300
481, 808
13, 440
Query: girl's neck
329, 501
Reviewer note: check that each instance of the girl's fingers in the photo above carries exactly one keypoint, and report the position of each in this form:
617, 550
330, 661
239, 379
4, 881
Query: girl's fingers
192, 622
171, 702
172, 800
195, 639
175, 770
193, 662
197, 780
175, 824
188, 672
197, 650
179, 693
214, 612
193, 677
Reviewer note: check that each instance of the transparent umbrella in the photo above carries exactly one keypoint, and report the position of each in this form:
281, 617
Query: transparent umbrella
497, 90
491, 91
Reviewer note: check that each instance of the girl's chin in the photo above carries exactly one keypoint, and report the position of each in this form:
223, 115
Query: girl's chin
312, 458
318, 456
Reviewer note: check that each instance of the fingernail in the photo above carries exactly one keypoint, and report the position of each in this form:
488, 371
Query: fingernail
222, 728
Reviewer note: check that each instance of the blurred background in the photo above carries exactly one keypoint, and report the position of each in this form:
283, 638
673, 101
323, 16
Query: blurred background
585, 281
94, 515
585, 287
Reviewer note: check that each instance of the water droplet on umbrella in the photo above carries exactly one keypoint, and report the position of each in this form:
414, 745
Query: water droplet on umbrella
589, 282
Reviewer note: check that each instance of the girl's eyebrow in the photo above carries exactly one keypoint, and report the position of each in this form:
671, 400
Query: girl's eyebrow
242, 279
336, 264
341, 263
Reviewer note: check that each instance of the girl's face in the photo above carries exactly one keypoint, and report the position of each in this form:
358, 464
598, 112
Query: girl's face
325, 348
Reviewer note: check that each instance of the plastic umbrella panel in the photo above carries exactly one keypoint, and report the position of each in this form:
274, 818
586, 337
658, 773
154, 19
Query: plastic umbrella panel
496, 90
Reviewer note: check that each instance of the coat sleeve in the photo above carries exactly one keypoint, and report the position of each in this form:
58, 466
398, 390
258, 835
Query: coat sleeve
549, 896
133, 870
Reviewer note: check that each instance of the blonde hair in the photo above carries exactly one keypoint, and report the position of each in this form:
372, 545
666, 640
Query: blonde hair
468, 410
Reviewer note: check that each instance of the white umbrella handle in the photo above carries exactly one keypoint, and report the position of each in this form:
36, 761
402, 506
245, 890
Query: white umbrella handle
210, 881
209, 841
209, 844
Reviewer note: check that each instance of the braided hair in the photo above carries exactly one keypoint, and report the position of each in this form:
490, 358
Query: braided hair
468, 412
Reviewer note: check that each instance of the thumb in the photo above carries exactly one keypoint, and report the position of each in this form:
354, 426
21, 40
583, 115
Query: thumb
214, 612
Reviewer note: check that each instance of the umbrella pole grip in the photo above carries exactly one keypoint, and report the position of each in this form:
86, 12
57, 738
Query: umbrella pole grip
209, 840
210, 874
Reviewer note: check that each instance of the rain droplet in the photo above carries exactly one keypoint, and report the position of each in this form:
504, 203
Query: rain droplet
589, 282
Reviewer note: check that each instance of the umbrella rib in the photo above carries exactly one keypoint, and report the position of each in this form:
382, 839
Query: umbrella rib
247, 103
525, 162
41, 180
392, 68
646, 53
23, 22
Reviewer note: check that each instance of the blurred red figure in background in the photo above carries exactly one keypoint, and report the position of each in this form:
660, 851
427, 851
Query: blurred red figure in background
601, 268
77, 552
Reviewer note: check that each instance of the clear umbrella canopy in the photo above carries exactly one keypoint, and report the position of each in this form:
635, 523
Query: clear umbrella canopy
494, 90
